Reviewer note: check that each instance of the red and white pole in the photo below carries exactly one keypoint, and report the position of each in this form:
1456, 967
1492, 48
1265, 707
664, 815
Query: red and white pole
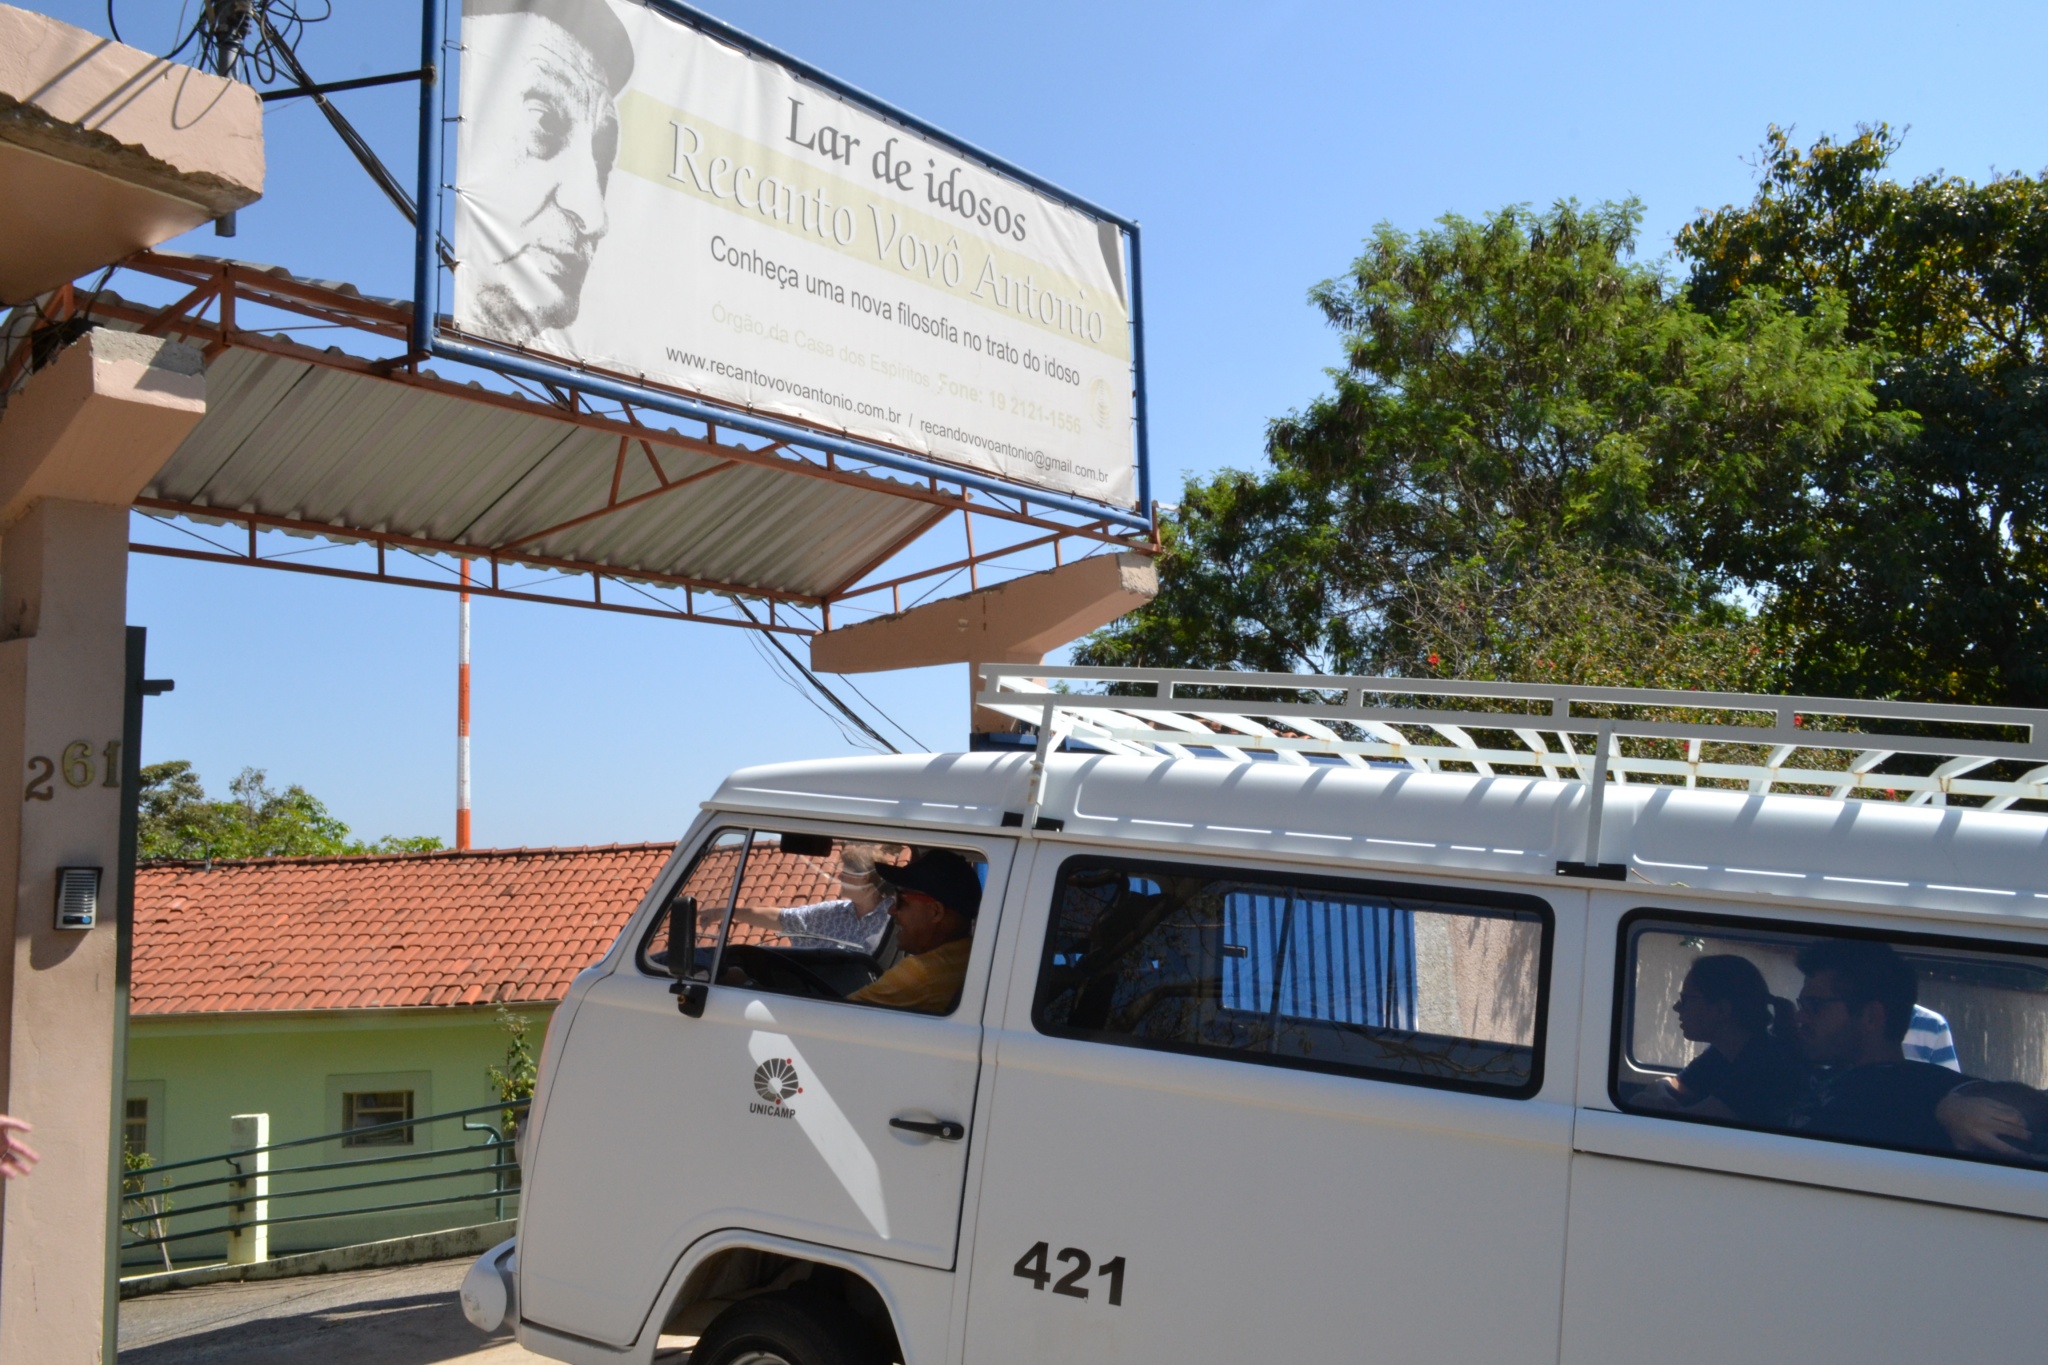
462, 725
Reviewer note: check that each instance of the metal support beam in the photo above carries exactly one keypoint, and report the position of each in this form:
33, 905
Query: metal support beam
259, 520
508, 594
336, 87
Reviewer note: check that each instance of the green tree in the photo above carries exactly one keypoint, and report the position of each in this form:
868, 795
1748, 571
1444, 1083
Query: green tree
171, 812
514, 1080
1569, 617
138, 1201
1522, 405
1910, 568
176, 820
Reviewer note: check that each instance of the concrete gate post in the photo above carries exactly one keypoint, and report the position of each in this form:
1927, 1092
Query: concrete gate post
77, 444
249, 1219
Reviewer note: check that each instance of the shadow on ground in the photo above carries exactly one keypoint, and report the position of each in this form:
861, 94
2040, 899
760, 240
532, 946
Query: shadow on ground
399, 1316
418, 1329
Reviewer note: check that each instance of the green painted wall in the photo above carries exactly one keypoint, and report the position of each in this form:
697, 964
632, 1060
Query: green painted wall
197, 1070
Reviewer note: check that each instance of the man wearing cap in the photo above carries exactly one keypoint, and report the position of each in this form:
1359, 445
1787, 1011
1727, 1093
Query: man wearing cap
539, 135
937, 897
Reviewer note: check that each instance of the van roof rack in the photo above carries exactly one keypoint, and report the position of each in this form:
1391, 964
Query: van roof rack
1921, 752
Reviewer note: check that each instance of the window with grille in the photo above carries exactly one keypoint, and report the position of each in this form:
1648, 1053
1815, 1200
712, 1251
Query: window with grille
135, 1125
370, 1109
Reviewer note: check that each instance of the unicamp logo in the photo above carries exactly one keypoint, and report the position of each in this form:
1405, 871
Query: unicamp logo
775, 1081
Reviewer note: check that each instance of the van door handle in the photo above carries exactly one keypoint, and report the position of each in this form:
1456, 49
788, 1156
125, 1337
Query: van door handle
943, 1129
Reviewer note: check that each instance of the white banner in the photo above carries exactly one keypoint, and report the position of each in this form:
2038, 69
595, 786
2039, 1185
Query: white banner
638, 196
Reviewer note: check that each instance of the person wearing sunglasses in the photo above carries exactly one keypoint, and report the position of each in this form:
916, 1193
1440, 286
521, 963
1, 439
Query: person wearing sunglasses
938, 896
1854, 1010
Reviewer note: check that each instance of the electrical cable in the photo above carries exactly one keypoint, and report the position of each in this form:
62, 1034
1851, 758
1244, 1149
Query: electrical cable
353, 140
114, 28
817, 683
915, 742
777, 665
222, 30
781, 663
851, 730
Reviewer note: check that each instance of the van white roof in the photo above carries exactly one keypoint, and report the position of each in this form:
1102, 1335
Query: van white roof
1969, 861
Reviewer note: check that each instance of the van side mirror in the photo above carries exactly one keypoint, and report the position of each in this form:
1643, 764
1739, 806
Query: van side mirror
690, 993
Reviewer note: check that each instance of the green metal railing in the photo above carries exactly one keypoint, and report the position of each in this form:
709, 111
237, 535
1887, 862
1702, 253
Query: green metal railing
492, 1160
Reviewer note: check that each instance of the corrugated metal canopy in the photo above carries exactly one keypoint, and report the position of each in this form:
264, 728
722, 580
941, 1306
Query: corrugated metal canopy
312, 443
357, 444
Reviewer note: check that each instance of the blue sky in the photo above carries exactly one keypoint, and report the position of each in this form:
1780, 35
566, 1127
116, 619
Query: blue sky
1258, 144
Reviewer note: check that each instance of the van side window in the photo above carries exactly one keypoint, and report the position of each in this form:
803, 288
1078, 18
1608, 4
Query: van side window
787, 913
1394, 982
1909, 1041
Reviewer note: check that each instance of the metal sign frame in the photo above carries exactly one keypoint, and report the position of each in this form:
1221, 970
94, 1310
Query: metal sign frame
429, 339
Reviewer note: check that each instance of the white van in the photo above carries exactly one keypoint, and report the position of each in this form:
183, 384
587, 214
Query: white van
1326, 1022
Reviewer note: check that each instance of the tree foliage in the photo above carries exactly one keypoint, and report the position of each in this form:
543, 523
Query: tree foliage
514, 1080
1819, 461
1569, 617
1525, 413
176, 820
1917, 565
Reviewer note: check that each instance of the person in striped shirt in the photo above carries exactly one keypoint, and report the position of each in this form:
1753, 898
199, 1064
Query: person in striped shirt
859, 915
1928, 1040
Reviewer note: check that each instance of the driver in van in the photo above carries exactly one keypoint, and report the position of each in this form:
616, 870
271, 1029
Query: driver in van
938, 896
1853, 1013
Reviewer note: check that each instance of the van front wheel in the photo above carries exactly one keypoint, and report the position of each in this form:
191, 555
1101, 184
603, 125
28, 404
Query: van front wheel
787, 1329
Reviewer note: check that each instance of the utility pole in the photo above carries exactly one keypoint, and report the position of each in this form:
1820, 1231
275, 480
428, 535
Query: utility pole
227, 24
462, 723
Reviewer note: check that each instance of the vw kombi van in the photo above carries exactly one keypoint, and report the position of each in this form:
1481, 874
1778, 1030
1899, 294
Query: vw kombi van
1345, 1018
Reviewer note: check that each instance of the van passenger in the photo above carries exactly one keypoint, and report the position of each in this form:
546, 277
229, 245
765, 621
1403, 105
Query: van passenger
1931, 1040
1751, 1069
857, 917
2004, 1118
1854, 1010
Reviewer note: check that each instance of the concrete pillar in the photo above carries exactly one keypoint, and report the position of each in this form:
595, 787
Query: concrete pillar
63, 591
249, 1238
106, 149
76, 444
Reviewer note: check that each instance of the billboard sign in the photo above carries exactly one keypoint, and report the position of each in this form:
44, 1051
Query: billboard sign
636, 194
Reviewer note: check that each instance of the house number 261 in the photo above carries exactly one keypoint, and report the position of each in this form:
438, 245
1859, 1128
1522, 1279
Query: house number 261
75, 765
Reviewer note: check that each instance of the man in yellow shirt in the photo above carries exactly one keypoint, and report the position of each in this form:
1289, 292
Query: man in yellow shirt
937, 897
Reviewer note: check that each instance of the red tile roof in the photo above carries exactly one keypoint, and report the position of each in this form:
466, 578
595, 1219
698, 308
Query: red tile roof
475, 928
490, 926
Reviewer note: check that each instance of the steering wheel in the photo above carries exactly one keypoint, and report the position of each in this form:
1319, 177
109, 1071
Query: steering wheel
762, 964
